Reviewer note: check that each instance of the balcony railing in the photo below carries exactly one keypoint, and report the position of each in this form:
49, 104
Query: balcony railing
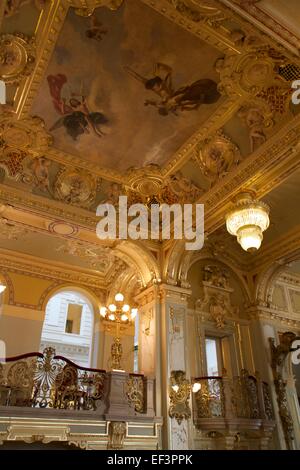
243, 399
47, 381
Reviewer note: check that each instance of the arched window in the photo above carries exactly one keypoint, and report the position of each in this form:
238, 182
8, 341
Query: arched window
68, 327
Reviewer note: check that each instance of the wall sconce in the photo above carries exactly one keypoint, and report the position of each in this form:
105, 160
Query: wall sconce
179, 394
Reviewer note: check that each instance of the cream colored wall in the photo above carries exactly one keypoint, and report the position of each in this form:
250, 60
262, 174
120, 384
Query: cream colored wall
22, 315
20, 329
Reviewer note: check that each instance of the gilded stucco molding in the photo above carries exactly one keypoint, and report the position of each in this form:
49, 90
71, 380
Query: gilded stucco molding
47, 33
17, 57
34, 267
27, 134
87, 7
262, 18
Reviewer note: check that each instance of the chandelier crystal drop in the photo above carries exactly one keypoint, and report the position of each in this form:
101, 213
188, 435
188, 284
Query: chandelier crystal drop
247, 221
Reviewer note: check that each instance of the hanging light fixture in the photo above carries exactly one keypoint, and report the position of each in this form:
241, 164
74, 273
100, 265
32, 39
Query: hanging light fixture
119, 314
247, 221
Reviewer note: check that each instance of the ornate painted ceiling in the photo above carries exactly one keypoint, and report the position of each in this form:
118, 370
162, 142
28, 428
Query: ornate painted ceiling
184, 100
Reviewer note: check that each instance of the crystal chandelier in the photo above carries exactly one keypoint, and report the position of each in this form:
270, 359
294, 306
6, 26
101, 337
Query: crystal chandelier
119, 314
247, 221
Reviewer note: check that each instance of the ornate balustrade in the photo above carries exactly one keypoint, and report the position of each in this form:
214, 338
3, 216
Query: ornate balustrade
96, 409
48, 381
242, 402
45, 380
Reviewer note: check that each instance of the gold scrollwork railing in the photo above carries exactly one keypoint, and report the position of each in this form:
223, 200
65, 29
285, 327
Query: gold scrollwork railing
243, 397
135, 392
210, 398
45, 380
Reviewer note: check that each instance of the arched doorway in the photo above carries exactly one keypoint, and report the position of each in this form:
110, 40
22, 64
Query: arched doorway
68, 326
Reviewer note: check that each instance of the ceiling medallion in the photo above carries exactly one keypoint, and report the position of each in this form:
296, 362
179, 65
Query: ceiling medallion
216, 156
17, 57
62, 228
247, 221
146, 181
73, 187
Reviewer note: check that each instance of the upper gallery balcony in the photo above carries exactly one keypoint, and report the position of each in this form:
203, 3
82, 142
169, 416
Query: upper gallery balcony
45, 397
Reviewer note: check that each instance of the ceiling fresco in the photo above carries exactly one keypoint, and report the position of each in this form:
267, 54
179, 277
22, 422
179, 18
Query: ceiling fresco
172, 101
126, 88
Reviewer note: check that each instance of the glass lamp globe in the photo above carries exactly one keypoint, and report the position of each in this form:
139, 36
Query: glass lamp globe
119, 297
103, 311
112, 307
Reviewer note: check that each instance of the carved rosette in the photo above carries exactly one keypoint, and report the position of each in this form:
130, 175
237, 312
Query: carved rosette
249, 74
146, 181
17, 57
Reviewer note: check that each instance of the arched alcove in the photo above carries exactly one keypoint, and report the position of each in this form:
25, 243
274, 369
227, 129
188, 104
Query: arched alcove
69, 326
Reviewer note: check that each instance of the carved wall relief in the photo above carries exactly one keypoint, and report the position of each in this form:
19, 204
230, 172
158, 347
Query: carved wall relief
116, 435
98, 257
216, 300
257, 120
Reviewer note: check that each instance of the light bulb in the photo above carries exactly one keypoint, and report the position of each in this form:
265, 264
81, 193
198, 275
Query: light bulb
2, 288
112, 307
196, 387
103, 311
250, 238
175, 388
134, 312
111, 316
119, 297
125, 308
124, 317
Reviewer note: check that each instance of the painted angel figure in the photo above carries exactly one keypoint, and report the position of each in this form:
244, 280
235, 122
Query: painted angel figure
76, 117
185, 98
96, 30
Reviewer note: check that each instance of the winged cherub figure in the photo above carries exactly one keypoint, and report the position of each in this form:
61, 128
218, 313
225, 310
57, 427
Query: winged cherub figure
76, 118
171, 100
